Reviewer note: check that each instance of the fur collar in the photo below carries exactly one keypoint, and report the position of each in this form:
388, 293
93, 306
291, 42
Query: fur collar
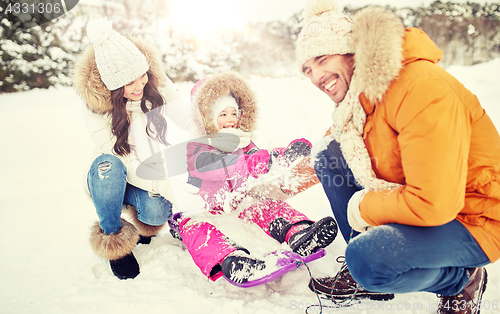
378, 40
88, 83
224, 84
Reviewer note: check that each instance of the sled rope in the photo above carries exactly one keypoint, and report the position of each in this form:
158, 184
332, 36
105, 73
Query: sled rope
336, 304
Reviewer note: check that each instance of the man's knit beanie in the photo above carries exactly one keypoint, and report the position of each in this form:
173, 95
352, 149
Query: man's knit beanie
326, 31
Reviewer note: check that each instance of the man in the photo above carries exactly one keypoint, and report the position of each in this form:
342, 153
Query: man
412, 161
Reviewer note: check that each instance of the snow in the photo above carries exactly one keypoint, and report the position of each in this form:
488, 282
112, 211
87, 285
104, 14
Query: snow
47, 265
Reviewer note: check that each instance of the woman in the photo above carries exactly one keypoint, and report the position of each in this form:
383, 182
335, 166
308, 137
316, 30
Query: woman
120, 80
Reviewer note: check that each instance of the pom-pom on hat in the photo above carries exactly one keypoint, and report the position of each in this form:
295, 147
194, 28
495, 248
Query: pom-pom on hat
118, 60
326, 31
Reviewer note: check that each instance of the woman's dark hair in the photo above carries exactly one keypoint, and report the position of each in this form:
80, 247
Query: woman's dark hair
120, 121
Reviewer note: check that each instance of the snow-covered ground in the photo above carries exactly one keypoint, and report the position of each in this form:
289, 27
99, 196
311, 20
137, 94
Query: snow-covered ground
47, 265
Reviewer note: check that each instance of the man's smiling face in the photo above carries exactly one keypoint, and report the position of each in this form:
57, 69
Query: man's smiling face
331, 73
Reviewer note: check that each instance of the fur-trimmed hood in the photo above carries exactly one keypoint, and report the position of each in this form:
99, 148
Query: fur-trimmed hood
224, 84
381, 50
88, 83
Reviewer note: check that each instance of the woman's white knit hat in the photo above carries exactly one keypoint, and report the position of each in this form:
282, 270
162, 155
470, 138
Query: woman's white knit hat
326, 31
118, 60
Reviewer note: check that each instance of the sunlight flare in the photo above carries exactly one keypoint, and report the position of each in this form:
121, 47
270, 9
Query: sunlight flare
204, 18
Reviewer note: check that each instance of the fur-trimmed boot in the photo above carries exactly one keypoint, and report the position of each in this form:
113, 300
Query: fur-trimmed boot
117, 248
146, 232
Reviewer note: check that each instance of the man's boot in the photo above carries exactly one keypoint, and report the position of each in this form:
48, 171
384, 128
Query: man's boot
468, 301
343, 287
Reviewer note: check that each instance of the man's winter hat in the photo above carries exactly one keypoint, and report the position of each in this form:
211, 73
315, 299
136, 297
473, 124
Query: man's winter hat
118, 60
326, 31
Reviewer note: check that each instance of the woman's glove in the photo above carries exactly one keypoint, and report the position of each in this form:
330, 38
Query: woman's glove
187, 199
164, 188
354, 214
182, 195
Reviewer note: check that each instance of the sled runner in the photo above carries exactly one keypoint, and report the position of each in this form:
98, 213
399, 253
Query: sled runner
284, 261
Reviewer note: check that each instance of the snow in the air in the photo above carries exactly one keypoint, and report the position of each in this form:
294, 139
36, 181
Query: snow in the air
48, 267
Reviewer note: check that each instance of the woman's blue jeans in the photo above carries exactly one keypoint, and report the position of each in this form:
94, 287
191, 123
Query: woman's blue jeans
109, 189
398, 258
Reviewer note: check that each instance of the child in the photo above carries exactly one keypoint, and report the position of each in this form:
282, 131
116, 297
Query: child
220, 166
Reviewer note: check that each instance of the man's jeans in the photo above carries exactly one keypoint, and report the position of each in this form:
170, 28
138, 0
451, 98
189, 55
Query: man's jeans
398, 258
110, 191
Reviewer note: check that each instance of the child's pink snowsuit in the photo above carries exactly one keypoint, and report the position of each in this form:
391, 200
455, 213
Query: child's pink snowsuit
218, 174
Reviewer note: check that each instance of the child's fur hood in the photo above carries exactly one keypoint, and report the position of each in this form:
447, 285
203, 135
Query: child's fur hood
378, 39
88, 83
224, 84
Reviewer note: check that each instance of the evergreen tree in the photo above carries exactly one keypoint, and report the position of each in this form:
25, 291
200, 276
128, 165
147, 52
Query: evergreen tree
31, 57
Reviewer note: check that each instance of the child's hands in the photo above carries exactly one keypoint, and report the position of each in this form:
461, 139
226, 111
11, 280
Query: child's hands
295, 150
258, 163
